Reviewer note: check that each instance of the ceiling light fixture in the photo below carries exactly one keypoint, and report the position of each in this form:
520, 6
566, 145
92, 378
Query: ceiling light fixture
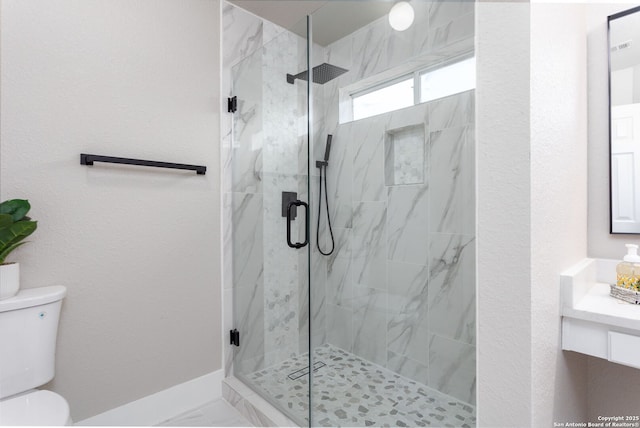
401, 16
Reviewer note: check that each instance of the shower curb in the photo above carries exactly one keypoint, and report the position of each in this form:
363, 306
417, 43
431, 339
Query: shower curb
256, 409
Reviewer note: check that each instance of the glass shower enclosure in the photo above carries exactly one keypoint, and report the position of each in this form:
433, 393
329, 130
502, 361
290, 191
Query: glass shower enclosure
350, 213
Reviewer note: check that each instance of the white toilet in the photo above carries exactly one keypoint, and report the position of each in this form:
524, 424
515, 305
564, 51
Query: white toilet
28, 329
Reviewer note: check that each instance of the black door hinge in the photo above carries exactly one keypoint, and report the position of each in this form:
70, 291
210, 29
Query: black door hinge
235, 337
232, 104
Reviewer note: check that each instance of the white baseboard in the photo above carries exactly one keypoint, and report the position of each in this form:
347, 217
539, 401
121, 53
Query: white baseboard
156, 408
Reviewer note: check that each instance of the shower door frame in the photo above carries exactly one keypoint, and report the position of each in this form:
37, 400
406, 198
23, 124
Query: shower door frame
310, 116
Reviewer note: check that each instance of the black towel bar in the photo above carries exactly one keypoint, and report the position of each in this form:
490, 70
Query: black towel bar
86, 159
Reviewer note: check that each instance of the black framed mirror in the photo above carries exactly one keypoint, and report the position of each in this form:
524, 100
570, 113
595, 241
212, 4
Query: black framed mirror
624, 120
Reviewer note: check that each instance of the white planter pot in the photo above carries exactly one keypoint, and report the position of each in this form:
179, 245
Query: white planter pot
9, 280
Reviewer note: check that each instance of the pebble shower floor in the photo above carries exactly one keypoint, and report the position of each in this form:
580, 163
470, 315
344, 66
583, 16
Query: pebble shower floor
350, 391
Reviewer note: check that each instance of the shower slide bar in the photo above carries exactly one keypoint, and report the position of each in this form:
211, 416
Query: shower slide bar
87, 159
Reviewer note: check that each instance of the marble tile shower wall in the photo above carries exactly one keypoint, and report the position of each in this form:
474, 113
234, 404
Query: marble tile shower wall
264, 154
260, 159
400, 287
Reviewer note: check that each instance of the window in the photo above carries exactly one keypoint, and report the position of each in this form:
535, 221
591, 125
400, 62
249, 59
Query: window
391, 96
420, 86
448, 80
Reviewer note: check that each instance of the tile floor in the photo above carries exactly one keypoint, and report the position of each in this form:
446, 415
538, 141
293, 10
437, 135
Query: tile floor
218, 413
350, 391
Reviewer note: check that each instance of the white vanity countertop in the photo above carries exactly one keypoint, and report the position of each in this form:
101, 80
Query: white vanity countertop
593, 322
598, 306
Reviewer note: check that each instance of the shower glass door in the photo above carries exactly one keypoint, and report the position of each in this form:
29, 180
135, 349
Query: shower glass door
269, 208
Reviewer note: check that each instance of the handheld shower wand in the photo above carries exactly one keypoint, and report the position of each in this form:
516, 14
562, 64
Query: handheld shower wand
323, 165
327, 150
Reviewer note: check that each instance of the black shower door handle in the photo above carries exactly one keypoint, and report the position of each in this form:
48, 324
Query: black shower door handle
292, 204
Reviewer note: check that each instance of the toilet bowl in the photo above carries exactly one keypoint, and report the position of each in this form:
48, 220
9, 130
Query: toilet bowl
28, 330
35, 408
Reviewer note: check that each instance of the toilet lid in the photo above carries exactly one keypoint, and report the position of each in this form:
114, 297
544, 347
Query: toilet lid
34, 408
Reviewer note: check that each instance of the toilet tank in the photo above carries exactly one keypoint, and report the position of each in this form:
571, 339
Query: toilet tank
28, 330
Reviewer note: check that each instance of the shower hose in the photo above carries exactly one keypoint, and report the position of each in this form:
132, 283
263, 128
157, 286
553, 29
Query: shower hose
326, 200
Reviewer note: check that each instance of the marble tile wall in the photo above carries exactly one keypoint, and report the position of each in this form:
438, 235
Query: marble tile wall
401, 285
261, 154
241, 36
400, 288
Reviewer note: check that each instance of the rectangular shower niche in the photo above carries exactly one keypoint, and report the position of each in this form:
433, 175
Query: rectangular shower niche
404, 150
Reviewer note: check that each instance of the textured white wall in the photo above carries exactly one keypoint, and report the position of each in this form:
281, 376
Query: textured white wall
137, 249
613, 389
503, 214
558, 202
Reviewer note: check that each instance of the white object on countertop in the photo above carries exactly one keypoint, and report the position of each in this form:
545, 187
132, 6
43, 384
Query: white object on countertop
632, 254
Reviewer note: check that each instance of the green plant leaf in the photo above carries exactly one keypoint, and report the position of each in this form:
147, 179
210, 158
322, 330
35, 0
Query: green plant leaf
5, 220
15, 226
5, 252
17, 208
15, 233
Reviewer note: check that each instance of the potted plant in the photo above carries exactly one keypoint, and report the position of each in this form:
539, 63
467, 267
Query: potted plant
15, 226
